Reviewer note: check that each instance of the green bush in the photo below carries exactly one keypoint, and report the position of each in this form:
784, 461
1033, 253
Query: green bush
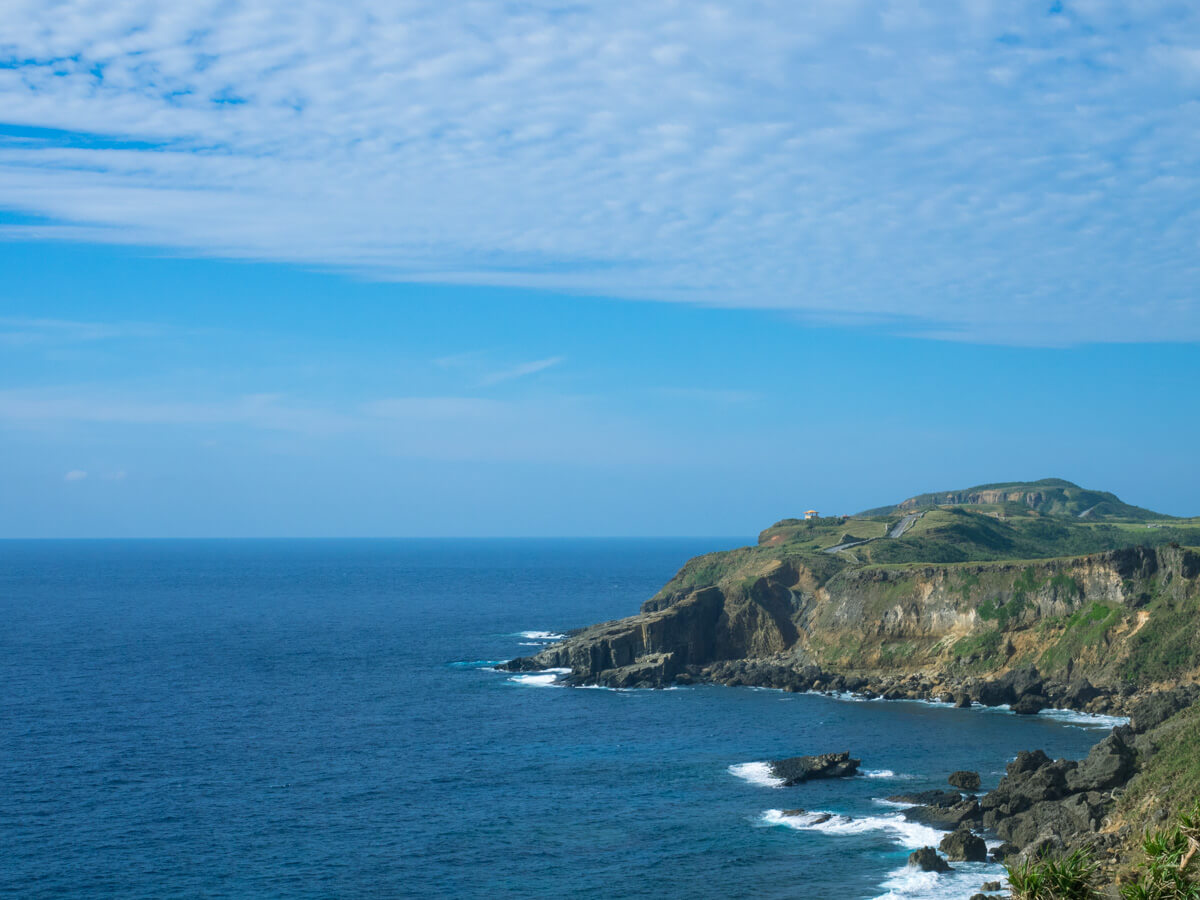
1172, 867
1070, 877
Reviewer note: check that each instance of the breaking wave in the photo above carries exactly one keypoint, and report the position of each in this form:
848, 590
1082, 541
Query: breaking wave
756, 773
544, 678
907, 834
912, 884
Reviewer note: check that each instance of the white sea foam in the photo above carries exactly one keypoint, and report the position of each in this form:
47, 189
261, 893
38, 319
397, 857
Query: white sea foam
544, 678
858, 698
910, 883
1084, 720
756, 773
893, 804
907, 834
884, 773
541, 635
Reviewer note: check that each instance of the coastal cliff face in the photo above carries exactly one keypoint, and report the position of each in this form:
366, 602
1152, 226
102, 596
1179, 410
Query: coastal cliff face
1109, 618
1032, 595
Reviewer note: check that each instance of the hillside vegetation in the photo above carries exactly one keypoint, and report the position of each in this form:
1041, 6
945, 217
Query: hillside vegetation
1011, 576
1029, 595
1047, 497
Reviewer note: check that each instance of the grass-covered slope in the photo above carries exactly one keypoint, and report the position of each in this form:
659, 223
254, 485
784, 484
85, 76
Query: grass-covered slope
953, 592
947, 534
1047, 497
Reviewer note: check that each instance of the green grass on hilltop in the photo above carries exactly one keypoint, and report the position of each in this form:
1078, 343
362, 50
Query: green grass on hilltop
1047, 497
958, 534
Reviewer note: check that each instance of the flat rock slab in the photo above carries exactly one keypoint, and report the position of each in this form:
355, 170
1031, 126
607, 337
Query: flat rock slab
928, 798
797, 769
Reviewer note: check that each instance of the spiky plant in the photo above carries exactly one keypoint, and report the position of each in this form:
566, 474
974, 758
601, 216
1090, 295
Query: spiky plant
1054, 877
1172, 868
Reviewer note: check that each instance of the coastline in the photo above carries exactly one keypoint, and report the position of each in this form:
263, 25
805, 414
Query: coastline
1039, 806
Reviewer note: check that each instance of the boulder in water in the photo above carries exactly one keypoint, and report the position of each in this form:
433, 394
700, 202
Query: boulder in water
927, 798
963, 845
927, 860
797, 769
967, 781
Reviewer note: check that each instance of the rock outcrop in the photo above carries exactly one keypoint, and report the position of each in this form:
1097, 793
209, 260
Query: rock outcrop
927, 860
797, 769
963, 845
967, 781
1109, 632
1053, 633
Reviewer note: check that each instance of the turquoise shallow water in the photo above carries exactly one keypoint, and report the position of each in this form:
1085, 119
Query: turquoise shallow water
315, 719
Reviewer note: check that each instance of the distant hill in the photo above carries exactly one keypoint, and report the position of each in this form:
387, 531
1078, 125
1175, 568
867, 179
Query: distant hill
1047, 497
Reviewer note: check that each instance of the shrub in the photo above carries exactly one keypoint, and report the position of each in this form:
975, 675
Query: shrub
1172, 867
1070, 877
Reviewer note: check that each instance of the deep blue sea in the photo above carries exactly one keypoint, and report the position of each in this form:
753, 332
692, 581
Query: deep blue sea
319, 719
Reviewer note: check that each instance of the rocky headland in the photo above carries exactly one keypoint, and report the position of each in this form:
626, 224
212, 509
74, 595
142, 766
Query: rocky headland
1031, 596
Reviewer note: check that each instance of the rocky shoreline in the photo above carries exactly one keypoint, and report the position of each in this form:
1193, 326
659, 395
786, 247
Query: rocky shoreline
1024, 690
1109, 633
1040, 805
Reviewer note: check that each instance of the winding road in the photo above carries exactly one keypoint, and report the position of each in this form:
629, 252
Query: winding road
897, 531
903, 525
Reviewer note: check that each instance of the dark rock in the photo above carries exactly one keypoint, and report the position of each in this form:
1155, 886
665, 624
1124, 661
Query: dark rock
947, 817
962, 845
992, 886
1064, 820
1009, 687
1109, 764
967, 781
1004, 851
521, 664
796, 769
1154, 709
928, 798
853, 683
993, 693
1033, 780
1027, 761
962, 700
817, 819
927, 860
1045, 845
1079, 694
1022, 681
1030, 705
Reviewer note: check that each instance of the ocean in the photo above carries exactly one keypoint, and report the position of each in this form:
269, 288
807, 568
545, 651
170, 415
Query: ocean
314, 718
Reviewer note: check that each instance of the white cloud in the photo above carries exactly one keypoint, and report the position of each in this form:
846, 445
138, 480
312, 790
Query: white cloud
22, 331
988, 171
558, 428
426, 408
31, 406
520, 371
75, 475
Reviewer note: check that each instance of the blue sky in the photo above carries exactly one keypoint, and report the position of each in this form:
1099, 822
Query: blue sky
537, 269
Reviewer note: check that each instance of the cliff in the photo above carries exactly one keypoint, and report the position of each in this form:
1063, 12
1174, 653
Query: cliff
1114, 618
1033, 594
